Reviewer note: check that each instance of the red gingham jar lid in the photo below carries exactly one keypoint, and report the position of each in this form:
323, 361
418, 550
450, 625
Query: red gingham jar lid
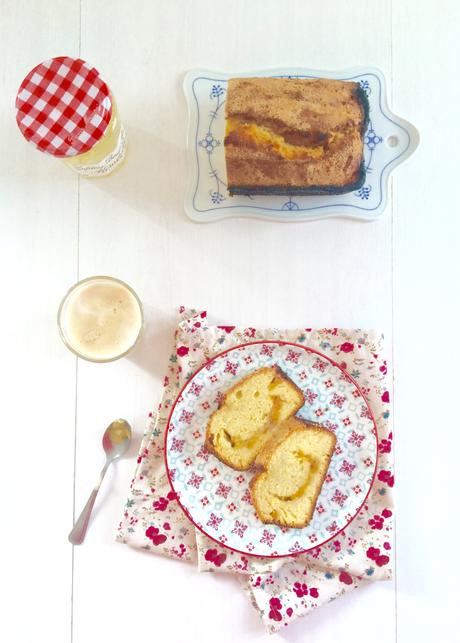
63, 107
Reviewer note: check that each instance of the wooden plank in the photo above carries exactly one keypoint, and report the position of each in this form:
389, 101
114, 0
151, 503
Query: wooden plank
248, 272
426, 91
38, 262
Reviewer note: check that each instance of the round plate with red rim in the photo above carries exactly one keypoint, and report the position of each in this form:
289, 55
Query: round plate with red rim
216, 498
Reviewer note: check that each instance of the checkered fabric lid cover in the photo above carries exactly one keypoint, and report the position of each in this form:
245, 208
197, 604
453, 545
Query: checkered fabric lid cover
63, 107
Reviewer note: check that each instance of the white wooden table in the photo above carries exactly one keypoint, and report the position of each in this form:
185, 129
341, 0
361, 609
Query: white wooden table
399, 274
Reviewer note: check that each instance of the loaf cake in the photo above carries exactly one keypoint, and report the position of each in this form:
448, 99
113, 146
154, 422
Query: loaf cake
294, 136
248, 414
292, 466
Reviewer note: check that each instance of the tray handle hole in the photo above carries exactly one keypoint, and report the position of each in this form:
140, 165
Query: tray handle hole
392, 141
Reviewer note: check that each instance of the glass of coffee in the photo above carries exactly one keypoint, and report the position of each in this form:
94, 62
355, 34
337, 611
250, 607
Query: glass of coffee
100, 319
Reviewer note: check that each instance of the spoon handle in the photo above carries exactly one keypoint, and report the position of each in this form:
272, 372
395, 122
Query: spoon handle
78, 533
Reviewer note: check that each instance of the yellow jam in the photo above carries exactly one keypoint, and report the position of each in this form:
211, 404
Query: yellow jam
119, 432
107, 154
265, 137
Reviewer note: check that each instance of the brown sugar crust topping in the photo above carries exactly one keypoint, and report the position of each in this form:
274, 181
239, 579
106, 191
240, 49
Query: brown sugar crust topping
293, 133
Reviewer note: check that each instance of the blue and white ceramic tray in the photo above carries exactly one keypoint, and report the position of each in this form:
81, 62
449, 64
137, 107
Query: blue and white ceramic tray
389, 140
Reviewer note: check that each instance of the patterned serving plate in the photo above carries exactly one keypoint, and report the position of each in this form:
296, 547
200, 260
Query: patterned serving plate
216, 498
389, 140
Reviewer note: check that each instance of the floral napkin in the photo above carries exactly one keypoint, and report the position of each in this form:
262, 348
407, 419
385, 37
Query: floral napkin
281, 589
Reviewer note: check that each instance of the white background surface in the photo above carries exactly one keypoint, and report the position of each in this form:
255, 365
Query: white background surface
399, 274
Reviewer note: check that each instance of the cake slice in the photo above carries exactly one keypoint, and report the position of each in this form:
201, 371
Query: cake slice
292, 467
248, 415
295, 136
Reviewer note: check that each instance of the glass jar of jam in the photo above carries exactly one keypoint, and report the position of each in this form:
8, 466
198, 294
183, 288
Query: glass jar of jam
65, 109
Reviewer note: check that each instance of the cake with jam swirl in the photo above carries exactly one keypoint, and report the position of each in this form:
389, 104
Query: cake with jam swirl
293, 136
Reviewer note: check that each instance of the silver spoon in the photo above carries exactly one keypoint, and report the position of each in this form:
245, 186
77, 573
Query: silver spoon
116, 440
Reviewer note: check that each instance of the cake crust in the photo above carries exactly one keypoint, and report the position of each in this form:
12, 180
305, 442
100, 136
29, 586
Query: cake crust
294, 136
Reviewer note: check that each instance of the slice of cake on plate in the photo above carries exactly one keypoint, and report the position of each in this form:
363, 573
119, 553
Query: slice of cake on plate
292, 467
248, 415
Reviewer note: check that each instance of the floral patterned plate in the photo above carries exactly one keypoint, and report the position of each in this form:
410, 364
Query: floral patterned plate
216, 498
389, 140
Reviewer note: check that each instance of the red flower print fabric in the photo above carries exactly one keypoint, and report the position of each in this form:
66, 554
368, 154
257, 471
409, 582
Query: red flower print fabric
281, 589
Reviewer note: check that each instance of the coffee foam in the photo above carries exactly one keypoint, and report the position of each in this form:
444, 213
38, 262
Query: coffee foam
101, 319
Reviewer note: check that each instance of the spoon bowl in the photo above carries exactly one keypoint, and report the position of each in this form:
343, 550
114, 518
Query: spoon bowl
116, 439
